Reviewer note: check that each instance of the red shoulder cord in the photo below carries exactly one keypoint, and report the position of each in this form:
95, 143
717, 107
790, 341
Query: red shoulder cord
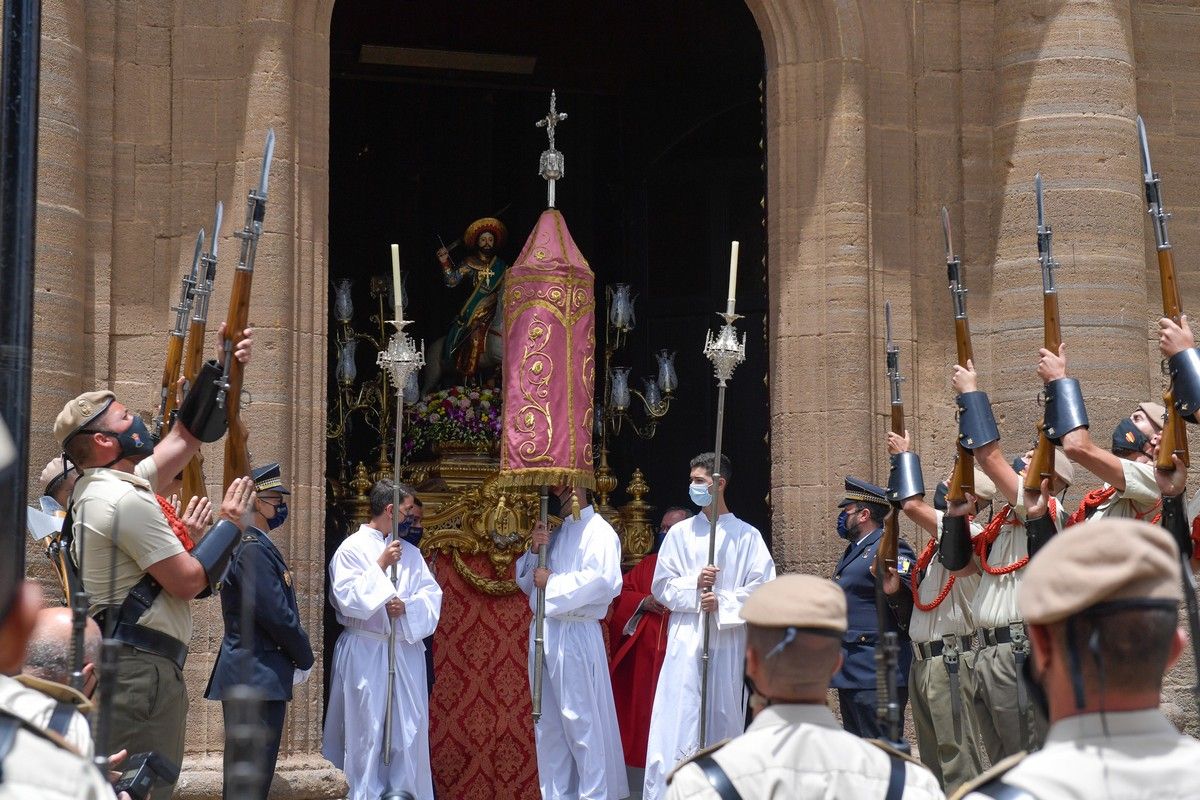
989, 535
177, 526
922, 562
1098, 497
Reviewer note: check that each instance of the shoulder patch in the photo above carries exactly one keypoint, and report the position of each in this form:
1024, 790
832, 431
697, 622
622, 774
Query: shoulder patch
712, 748
997, 771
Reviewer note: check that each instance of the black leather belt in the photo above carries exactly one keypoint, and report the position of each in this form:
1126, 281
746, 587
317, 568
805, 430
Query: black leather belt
927, 650
993, 636
147, 640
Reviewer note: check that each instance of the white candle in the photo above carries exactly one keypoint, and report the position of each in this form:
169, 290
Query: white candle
733, 259
396, 282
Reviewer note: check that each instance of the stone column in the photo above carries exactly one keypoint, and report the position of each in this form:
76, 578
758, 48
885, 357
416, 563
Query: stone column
1065, 105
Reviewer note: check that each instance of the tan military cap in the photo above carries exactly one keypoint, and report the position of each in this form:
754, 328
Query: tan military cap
80, 412
1098, 562
1154, 411
797, 601
56, 469
984, 488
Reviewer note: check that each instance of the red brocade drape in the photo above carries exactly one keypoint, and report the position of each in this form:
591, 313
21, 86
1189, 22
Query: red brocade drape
480, 728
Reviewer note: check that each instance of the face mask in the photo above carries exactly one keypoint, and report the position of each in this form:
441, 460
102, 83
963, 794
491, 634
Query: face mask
699, 494
1126, 436
281, 512
404, 523
135, 441
843, 527
415, 532
559, 505
939, 497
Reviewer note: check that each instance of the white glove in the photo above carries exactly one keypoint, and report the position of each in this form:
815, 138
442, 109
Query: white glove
300, 676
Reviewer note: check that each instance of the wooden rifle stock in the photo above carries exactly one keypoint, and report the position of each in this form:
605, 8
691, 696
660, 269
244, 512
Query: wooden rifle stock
962, 478
170, 377
237, 453
1041, 464
1173, 440
193, 472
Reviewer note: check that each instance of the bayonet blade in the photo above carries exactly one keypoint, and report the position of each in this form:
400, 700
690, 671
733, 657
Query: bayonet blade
216, 234
887, 317
196, 256
949, 238
1041, 209
268, 153
1144, 142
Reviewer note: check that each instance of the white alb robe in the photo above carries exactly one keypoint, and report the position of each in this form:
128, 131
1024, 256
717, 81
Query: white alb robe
744, 563
578, 742
353, 739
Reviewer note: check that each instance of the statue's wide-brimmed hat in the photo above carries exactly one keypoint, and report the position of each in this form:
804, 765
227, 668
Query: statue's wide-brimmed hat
490, 224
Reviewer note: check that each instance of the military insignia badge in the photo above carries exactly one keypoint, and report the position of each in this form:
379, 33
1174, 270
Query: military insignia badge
1129, 437
904, 565
287, 577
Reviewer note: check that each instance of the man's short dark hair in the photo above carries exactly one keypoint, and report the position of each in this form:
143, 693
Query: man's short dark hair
1134, 647
382, 494
417, 502
674, 510
706, 461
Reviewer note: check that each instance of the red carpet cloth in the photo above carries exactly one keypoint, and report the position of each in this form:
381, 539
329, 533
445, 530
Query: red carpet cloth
636, 663
480, 728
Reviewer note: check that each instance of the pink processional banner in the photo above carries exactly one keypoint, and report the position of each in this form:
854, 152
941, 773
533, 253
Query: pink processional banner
549, 361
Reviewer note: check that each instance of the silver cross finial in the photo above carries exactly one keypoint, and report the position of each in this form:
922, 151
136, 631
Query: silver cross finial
551, 165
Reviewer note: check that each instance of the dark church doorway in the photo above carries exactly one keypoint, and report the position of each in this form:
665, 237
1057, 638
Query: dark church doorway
432, 112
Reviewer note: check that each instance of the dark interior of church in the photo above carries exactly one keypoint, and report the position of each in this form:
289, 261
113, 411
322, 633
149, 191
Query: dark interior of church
432, 112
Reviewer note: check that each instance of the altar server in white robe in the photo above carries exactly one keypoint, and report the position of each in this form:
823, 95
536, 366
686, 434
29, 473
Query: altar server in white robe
685, 584
578, 742
361, 591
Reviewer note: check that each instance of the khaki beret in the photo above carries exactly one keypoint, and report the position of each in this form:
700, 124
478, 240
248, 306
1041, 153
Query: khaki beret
797, 601
80, 412
57, 468
1155, 412
984, 488
1099, 562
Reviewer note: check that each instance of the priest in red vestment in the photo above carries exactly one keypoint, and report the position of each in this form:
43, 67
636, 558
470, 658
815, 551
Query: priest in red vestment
638, 636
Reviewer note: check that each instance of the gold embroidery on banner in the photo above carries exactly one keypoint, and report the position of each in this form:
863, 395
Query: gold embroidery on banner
536, 371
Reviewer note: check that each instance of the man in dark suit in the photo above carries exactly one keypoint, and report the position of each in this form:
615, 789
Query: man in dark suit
267, 656
860, 523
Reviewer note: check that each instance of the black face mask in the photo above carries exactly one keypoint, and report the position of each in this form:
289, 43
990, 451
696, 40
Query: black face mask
1126, 436
1036, 693
415, 532
135, 441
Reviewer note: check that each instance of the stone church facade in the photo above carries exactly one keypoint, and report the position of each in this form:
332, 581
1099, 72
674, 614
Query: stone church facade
878, 112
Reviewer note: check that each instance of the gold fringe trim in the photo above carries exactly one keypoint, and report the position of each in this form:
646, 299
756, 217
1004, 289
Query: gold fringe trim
546, 476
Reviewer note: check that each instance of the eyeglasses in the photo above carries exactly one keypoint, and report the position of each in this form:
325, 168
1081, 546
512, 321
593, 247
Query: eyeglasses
274, 502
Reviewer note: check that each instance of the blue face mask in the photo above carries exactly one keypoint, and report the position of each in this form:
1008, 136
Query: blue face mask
699, 494
842, 530
281, 512
135, 441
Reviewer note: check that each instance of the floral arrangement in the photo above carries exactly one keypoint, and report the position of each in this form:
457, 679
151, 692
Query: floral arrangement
460, 414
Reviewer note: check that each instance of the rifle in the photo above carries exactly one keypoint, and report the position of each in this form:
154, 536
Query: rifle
1041, 465
885, 555
962, 479
193, 473
187, 292
237, 453
1173, 440
887, 652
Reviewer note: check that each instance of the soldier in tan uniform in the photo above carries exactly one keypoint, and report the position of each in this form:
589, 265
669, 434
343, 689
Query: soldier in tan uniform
34, 764
941, 681
1008, 720
51, 703
794, 748
136, 558
1127, 468
1101, 600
